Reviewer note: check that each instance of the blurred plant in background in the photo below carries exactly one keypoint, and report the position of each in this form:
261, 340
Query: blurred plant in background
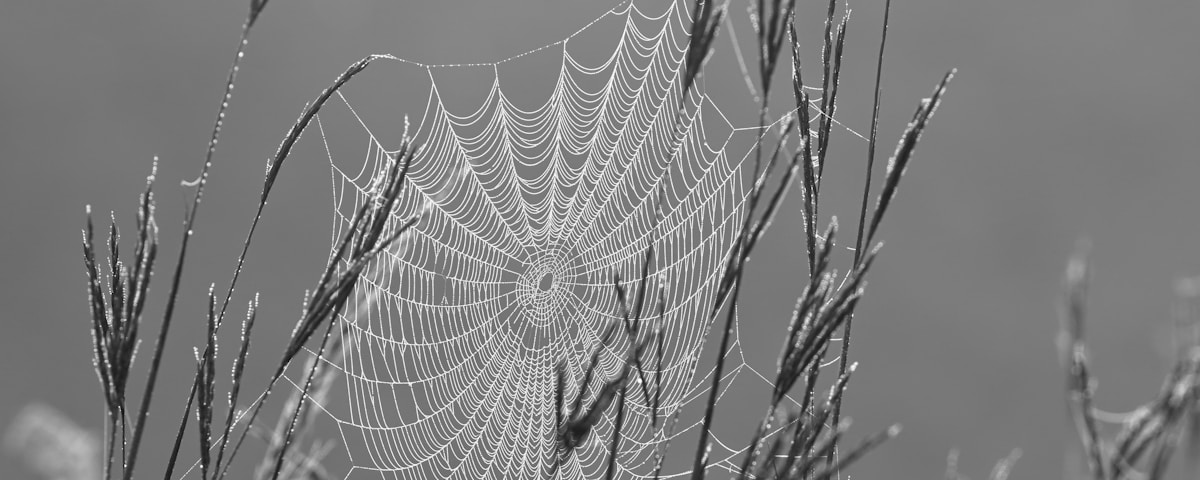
53, 446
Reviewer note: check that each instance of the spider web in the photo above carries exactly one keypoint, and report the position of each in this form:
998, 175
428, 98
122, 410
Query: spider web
448, 357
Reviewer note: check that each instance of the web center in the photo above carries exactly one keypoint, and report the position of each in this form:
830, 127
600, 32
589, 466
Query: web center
546, 282
544, 288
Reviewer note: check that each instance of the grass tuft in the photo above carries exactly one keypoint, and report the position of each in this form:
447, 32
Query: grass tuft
256, 8
205, 400
898, 164
803, 445
117, 303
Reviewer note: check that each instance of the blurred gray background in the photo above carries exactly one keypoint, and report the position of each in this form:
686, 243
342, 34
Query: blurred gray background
1067, 119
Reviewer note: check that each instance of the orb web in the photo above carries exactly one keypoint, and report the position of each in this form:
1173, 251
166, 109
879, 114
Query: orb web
527, 212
